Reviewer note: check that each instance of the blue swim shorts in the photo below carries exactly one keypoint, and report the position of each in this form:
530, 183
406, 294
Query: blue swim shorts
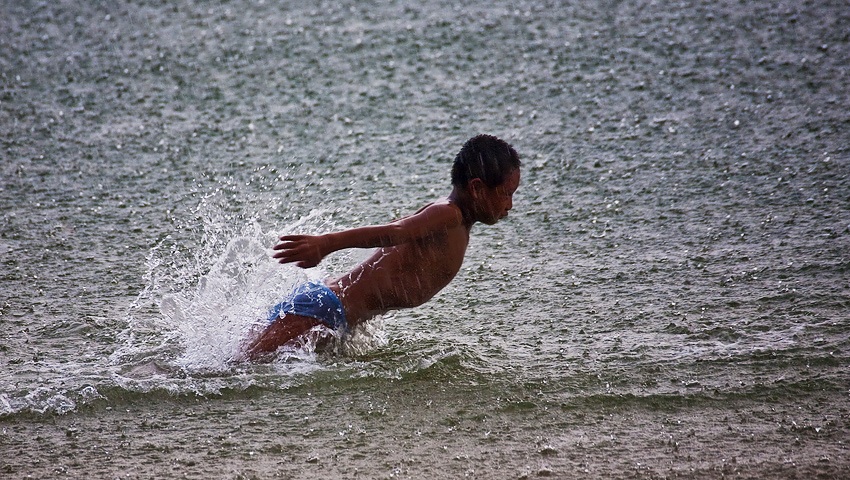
314, 300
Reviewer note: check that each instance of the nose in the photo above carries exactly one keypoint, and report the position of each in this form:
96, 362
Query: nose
508, 206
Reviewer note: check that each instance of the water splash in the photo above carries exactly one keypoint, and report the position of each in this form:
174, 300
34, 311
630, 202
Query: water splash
201, 301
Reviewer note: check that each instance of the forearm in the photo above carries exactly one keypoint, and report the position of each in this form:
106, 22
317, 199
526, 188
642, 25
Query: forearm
365, 237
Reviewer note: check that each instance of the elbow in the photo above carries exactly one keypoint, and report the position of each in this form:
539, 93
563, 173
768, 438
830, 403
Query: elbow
394, 235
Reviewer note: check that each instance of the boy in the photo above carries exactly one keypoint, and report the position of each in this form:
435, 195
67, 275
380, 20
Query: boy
416, 256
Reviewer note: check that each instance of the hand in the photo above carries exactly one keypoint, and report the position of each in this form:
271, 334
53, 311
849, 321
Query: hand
305, 251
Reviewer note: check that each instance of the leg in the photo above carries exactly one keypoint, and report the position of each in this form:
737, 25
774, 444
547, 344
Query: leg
280, 332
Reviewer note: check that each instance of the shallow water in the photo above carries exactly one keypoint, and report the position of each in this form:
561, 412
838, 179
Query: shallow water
668, 298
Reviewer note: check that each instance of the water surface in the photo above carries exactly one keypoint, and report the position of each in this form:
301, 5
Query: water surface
668, 297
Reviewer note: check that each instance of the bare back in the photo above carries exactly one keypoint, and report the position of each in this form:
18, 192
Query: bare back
405, 275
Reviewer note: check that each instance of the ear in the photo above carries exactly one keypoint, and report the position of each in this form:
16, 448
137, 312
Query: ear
475, 186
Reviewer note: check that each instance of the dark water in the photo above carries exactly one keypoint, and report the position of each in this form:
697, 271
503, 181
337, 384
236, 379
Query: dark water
668, 298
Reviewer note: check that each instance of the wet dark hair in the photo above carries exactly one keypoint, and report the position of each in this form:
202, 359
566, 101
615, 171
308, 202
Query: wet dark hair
486, 157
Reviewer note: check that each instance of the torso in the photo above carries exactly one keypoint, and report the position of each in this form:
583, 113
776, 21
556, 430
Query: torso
402, 276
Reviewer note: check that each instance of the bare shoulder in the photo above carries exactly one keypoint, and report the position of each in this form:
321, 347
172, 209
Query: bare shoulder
441, 211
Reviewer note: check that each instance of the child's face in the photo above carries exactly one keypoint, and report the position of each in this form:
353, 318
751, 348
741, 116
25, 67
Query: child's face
493, 204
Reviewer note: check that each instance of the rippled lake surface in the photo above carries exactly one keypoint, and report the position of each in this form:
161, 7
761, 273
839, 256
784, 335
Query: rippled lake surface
668, 298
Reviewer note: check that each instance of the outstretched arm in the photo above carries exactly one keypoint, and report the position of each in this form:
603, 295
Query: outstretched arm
308, 250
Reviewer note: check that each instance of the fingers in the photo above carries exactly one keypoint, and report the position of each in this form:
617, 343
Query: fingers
285, 246
282, 256
291, 238
295, 253
299, 263
292, 259
297, 249
289, 241
289, 252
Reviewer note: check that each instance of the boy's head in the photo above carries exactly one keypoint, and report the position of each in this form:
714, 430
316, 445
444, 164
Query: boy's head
487, 169
484, 157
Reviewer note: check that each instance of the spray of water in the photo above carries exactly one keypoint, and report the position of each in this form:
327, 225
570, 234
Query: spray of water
203, 298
